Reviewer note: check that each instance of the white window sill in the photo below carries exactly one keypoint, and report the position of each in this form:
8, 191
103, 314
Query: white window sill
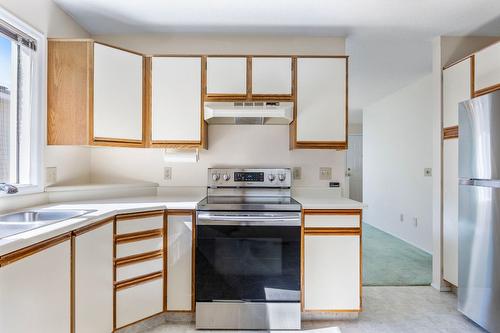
23, 190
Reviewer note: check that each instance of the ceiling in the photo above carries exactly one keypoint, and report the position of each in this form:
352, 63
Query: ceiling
389, 41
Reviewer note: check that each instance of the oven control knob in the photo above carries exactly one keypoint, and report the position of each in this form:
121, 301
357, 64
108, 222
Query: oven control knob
281, 177
271, 177
215, 177
226, 177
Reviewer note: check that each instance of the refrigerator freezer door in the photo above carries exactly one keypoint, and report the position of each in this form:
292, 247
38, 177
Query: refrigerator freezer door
479, 253
479, 137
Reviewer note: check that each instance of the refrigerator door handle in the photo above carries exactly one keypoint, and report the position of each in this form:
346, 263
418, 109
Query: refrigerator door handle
480, 182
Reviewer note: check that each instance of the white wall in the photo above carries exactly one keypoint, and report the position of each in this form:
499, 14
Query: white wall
243, 145
397, 144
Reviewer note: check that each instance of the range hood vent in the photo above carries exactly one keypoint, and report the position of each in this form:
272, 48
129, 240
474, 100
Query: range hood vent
249, 113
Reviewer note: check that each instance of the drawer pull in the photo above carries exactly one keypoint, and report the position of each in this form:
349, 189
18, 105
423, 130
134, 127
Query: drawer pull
138, 280
138, 236
137, 258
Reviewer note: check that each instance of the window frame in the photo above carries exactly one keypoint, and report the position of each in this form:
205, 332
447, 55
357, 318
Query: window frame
38, 111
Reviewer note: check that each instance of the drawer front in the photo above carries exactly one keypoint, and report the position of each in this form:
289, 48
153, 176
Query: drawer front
134, 270
331, 221
139, 302
143, 246
126, 225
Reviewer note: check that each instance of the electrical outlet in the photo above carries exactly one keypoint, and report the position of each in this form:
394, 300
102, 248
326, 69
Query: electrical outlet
325, 173
50, 175
428, 172
167, 173
401, 217
415, 222
297, 173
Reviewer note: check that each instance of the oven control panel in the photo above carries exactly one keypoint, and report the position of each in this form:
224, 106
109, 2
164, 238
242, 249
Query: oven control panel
222, 177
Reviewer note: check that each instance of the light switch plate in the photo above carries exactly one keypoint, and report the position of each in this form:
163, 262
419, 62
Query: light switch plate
50, 175
167, 173
325, 173
297, 173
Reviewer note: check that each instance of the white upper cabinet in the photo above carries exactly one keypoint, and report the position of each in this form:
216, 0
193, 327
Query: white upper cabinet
226, 75
487, 67
321, 99
176, 99
117, 94
271, 76
456, 89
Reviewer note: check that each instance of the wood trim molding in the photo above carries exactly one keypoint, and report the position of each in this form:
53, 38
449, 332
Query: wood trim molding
182, 212
138, 236
147, 117
487, 90
137, 258
92, 226
138, 280
472, 76
165, 260
25, 252
333, 311
138, 215
450, 132
333, 212
137, 321
332, 231
72, 295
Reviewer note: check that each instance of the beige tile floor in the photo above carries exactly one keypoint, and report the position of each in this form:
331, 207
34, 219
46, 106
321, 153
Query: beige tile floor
386, 310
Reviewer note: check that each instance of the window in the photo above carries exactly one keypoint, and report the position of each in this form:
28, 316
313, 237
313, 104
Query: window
20, 103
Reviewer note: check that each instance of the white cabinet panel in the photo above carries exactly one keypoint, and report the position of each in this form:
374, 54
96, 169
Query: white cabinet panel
142, 268
94, 281
35, 292
133, 248
227, 75
139, 302
179, 262
126, 225
321, 99
117, 93
450, 211
331, 221
176, 99
456, 89
487, 67
331, 272
271, 76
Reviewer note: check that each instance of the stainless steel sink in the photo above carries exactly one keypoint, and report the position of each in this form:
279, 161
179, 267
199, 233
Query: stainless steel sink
11, 224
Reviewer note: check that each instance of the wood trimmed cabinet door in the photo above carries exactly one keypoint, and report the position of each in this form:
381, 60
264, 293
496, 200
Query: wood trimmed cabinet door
139, 267
94, 94
176, 102
457, 87
35, 288
93, 278
180, 263
331, 261
450, 211
487, 69
117, 112
321, 103
272, 77
226, 77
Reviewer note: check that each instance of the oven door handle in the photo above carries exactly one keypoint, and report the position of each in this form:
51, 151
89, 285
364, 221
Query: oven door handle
211, 219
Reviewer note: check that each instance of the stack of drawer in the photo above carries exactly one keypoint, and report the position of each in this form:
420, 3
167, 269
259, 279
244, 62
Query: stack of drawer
139, 266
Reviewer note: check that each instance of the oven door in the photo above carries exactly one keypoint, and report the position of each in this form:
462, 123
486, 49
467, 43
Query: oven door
248, 257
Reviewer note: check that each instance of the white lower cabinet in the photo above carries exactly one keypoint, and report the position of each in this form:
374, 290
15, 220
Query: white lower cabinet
93, 252
139, 302
450, 211
331, 272
35, 292
179, 262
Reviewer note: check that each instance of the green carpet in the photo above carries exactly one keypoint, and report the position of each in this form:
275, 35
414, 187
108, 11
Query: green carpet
389, 261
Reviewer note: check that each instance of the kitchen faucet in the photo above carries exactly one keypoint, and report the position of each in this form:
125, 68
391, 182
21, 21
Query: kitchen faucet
8, 188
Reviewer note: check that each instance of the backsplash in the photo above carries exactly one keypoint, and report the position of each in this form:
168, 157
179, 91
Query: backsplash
229, 146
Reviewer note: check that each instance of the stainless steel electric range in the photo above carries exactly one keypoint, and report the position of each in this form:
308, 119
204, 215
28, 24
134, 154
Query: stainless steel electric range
248, 234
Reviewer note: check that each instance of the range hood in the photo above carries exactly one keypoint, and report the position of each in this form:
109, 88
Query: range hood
249, 113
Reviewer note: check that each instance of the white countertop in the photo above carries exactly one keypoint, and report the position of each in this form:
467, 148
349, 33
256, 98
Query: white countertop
167, 199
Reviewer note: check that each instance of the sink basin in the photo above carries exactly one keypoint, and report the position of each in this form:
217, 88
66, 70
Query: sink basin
11, 224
